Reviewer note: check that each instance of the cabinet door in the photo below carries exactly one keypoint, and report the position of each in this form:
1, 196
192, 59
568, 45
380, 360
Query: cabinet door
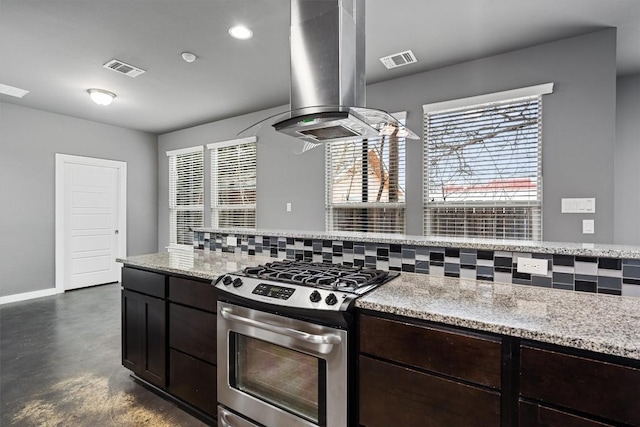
534, 415
154, 345
392, 395
144, 336
132, 331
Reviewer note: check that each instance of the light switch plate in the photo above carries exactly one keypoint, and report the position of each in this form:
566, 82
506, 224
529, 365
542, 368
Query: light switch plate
588, 226
533, 266
579, 205
288, 207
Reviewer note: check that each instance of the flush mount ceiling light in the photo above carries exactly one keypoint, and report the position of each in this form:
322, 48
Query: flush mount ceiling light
101, 97
188, 56
241, 32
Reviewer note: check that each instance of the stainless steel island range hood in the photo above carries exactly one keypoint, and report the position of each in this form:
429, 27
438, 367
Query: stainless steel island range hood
328, 76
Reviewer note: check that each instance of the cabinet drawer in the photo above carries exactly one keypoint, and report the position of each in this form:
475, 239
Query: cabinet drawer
193, 332
193, 381
533, 415
391, 395
145, 282
586, 385
465, 356
193, 293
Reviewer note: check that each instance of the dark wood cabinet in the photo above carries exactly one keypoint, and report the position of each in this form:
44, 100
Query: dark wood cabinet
605, 390
467, 356
413, 373
144, 348
132, 330
193, 293
145, 282
410, 372
169, 336
535, 415
193, 381
193, 332
192, 343
393, 395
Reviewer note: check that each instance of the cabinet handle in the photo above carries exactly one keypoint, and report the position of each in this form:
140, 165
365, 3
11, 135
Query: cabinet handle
283, 330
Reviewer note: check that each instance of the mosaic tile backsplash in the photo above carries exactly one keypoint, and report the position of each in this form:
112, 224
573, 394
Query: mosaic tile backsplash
615, 276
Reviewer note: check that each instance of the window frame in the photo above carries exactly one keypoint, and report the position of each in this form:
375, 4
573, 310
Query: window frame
174, 207
331, 207
464, 208
215, 207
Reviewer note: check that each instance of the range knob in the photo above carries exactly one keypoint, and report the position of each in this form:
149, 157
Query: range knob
331, 299
226, 280
237, 282
315, 296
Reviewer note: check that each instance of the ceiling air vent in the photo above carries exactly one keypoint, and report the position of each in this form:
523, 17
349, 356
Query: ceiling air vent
12, 91
122, 68
399, 59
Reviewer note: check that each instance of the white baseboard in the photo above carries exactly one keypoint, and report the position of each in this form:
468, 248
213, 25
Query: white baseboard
29, 295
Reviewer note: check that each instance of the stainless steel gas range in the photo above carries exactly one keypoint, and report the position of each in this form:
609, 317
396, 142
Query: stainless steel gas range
286, 347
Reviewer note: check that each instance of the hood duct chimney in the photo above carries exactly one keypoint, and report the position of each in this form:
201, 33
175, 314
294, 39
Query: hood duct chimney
328, 80
327, 53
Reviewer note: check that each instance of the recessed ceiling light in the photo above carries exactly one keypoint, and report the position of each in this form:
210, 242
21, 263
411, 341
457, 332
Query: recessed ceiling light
101, 97
240, 32
12, 91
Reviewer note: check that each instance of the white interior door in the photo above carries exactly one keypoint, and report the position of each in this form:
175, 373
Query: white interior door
91, 220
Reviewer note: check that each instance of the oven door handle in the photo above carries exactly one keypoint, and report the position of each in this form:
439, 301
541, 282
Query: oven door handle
223, 421
228, 419
283, 330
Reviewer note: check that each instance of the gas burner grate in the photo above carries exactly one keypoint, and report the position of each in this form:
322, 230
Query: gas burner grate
320, 275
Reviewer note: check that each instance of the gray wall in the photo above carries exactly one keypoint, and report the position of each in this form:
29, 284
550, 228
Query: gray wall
627, 161
578, 122
29, 140
578, 139
283, 175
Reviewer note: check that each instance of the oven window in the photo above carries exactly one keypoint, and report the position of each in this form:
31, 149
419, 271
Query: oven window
288, 379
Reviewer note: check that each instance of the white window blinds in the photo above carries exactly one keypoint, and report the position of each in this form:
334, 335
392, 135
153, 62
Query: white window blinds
365, 185
186, 193
233, 183
482, 170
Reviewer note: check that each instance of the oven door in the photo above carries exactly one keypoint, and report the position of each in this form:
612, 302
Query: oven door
280, 371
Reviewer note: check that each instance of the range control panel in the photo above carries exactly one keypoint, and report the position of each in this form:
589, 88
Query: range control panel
288, 295
273, 291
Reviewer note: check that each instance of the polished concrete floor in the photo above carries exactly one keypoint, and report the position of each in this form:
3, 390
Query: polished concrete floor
60, 366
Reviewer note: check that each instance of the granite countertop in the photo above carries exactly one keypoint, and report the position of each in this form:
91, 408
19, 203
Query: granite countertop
560, 248
601, 323
195, 263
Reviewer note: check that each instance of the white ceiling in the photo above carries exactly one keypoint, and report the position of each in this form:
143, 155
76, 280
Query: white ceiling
56, 49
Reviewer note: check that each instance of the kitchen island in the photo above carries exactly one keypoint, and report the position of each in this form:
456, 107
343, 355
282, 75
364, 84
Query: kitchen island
524, 335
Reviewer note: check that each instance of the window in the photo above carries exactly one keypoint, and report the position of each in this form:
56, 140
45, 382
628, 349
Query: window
233, 183
365, 185
483, 166
186, 193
